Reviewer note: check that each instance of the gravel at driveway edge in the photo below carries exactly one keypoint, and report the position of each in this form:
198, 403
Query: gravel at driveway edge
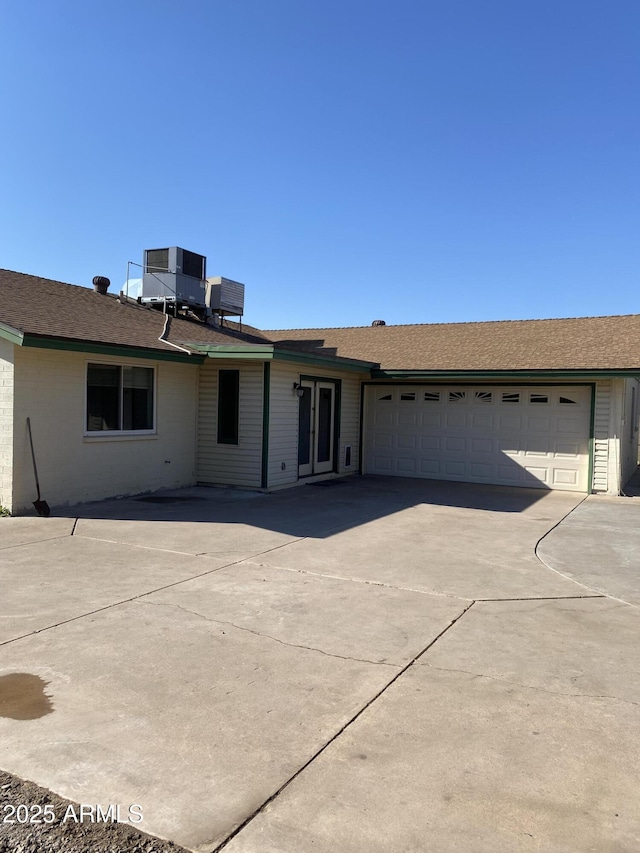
60, 835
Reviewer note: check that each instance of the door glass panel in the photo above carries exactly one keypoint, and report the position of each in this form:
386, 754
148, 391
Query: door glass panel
325, 396
304, 427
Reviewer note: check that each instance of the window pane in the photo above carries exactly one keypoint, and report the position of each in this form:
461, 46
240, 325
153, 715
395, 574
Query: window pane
304, 427
137, 398
228, 406
103, 397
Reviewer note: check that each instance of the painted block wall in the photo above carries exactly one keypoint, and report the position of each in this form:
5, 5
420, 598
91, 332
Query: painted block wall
230, 464
6, 424
283, 419
73, 467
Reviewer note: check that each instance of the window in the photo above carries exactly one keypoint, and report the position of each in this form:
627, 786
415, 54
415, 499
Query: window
432, 396
408, 395
119, 398
568, 401
385, 397
228, 406
483, 396
457, 396
510, 397
538, 398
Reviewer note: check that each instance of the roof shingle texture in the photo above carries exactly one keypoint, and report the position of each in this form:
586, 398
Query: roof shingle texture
569, 344
39, 306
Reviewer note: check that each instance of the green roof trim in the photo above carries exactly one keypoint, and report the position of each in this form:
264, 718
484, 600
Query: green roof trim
264, 352
511, 375
334, 360
114, 350
11, 334
255, 351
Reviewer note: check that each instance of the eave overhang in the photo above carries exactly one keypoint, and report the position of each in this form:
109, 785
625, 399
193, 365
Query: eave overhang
23, 339
269, 352
560, 374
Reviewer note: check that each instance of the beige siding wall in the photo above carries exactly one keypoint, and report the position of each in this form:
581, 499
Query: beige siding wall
615, 434
6, 424
50, 389
241, 464
283, 419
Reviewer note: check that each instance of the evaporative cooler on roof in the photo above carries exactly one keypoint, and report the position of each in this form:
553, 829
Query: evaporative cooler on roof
174, 276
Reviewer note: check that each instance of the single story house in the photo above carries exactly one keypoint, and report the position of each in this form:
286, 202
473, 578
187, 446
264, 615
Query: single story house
124, 399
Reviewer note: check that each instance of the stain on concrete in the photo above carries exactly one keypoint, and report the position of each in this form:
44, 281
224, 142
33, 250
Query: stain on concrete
23, 697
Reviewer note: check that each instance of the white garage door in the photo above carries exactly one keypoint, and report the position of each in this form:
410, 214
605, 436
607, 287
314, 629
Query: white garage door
512, 436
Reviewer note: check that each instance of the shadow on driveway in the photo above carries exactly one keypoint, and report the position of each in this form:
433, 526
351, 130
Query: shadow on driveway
312, 510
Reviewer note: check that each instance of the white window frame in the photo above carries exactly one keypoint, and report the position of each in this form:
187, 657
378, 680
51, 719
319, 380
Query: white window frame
120, 433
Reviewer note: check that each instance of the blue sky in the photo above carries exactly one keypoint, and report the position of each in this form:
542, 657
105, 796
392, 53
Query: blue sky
348, 160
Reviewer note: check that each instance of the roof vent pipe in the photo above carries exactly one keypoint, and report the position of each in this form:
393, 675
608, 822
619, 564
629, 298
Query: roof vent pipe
101, 284
378, 323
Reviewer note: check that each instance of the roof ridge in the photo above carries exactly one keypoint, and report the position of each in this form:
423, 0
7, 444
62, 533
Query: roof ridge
452, 323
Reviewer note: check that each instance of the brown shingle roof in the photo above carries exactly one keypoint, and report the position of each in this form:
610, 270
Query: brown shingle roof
41, 307
582, 343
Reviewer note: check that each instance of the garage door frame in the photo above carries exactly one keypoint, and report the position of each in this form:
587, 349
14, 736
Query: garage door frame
478, 383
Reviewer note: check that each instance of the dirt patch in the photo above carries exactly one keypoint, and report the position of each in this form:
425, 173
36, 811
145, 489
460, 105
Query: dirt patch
62, 835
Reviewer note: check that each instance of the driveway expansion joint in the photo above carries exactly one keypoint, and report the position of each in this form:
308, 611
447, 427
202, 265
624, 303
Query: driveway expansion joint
528, 686
33, 542
359, 580
543, 598
598, 592
334, 737
269, 636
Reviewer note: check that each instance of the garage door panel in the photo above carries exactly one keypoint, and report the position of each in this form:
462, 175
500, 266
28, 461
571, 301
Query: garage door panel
564, 477
405, 465
481, 470
527, 436
407, 442
566, 450
482, 420
455, 420
383, 464
407, 418
430, 442
455, 444
508, 474
481, 446
453, 469
535, 424
509, 422
431, 419
508, 446
570, 425
382, 439
384, 418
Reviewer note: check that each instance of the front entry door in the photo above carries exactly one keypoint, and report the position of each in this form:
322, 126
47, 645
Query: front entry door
316, 428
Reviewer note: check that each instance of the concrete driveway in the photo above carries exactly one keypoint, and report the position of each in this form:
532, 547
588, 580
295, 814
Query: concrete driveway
374, 664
